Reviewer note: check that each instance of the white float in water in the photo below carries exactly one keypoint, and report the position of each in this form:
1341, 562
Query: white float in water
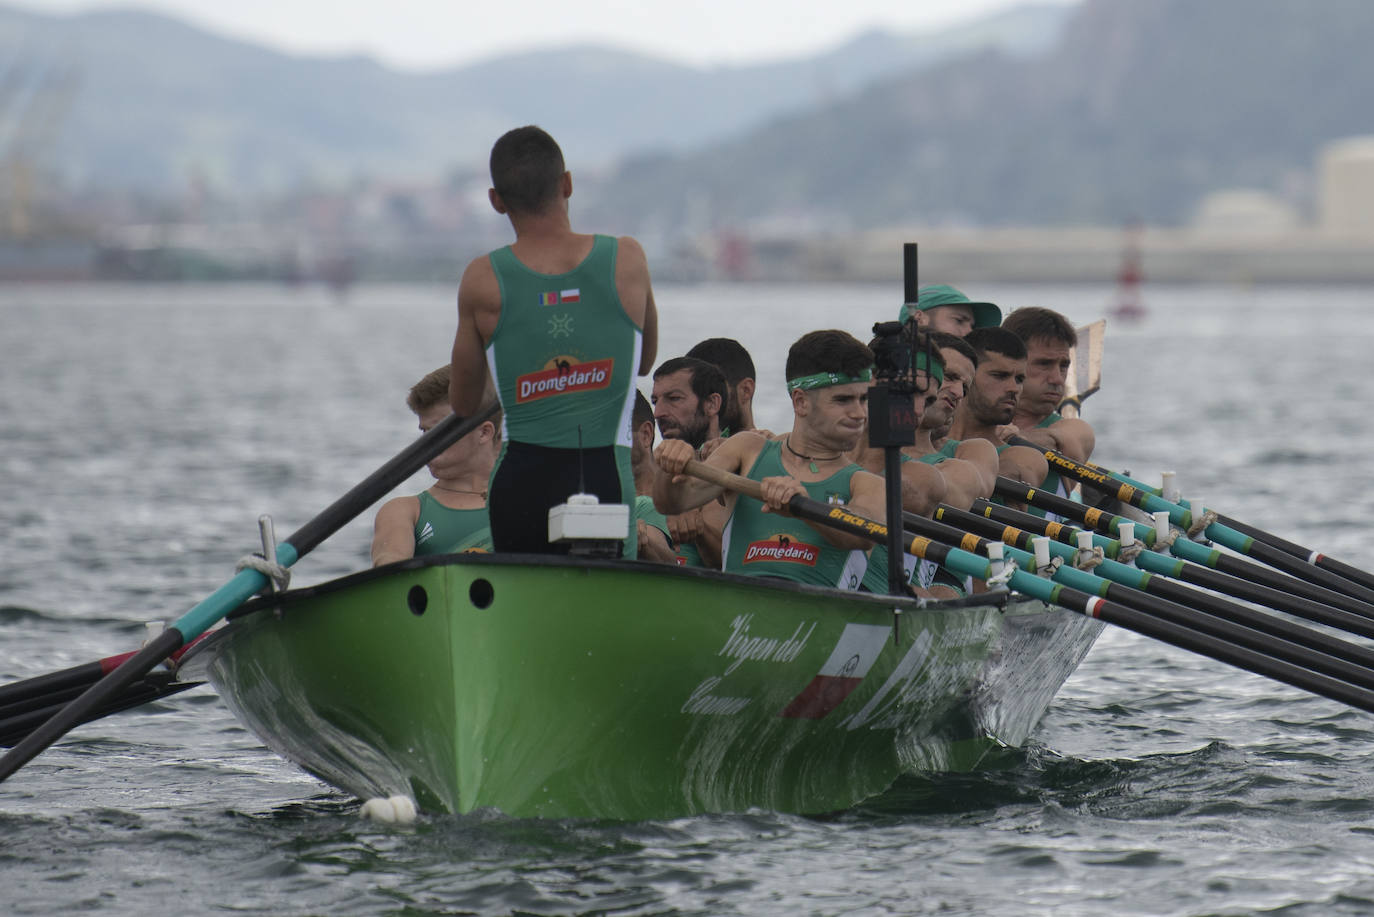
389, 809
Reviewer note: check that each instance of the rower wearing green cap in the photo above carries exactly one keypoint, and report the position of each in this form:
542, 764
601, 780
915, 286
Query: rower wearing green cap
940, 307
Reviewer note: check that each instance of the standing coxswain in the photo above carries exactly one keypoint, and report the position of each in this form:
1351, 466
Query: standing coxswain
562, 321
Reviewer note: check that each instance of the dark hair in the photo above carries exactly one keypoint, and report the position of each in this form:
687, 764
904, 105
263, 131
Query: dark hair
707, 380
827, 352
943, 339
1031, 322
996, 340
642, 413
526, 169
728, 355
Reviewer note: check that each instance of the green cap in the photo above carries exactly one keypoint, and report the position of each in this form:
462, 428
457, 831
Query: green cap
985, 314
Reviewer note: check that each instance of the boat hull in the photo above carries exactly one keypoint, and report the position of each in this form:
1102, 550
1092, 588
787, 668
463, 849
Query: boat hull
542, 687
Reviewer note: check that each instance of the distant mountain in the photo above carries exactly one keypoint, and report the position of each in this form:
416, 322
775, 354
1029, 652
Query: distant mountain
1140, 108
140, 100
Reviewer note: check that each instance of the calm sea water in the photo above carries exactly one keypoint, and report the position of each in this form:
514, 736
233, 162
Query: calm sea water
142, 431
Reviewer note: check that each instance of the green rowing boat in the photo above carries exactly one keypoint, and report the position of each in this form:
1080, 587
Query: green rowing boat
591, 688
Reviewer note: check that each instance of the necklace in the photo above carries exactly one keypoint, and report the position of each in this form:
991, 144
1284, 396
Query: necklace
813, 459
454, 490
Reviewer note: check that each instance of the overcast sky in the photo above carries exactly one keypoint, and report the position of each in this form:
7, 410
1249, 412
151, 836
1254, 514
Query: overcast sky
434, 33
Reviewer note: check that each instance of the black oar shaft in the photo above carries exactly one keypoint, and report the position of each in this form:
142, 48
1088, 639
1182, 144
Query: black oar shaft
1226, 563
1198, 575
1188, 607
1300, 566
1096, 519
1363, 577
1221, 650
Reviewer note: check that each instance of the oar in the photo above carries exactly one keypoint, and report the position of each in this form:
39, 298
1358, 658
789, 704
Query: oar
1188, 572
45, 690
1085, 368
966, 563
1184, 548
239, 589
1180, 603
20, 719
1218, 532
1350, 572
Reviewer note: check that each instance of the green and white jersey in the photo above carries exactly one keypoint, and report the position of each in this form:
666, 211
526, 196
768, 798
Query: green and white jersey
942, 454
1054, 482
441, 530
644, 509
756, 543
564, 353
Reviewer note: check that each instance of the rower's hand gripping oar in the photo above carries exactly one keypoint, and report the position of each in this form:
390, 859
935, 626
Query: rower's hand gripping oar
1216, 531
967, 563
244, 585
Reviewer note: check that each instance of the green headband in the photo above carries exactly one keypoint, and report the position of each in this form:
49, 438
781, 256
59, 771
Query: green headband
936, 371
825, 380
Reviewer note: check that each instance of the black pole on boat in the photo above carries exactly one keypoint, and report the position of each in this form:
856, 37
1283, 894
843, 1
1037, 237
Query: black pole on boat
892, 418
243, 586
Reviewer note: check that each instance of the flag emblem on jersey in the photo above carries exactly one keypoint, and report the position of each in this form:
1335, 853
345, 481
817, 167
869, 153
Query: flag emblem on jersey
560, 297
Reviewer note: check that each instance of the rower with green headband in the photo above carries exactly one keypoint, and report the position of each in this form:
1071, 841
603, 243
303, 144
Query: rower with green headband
828, 375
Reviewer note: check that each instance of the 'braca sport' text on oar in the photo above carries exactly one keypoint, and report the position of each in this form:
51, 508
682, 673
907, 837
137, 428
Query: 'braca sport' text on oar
1275, 661
242, 587
1218, 532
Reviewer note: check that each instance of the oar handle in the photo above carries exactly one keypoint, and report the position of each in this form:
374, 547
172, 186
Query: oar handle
722, 478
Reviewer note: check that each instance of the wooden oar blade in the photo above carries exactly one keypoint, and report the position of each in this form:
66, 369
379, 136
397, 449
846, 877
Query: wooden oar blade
1085, 370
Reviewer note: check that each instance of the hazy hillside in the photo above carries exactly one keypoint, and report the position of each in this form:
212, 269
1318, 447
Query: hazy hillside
1140, 109
156, 101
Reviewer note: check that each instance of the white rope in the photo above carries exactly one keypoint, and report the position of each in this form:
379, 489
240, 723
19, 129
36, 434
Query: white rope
1052, 568
1001, 579
279, 575
1089, 558
1130, 552
1208, 517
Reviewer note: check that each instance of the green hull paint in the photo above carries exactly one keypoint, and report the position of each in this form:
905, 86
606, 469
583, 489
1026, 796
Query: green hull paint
630, 691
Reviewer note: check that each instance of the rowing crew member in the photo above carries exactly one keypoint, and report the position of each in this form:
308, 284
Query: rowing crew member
563, 321
969, 467
987, 410
940, 307
828, 376
451, 516
734, 362
652, 532
1049, 338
